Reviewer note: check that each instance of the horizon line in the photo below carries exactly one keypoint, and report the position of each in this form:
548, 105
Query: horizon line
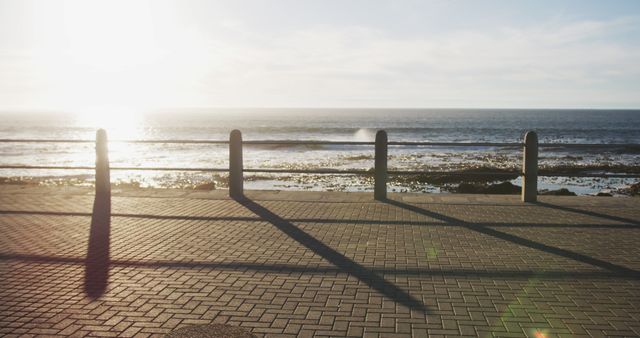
165, 109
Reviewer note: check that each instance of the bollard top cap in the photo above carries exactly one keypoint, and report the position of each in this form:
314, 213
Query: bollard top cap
381, 133
101, 134
530, 136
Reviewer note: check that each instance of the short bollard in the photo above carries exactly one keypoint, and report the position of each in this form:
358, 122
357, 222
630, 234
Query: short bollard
236, 189
103, 181
380, 184
530, 167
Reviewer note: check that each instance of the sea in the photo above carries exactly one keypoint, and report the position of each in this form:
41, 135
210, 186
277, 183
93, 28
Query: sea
564, 126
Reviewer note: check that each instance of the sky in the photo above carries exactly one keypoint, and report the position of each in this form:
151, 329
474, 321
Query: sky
146, 55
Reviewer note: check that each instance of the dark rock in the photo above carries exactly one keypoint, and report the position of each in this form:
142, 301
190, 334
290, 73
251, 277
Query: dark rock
504, 188
474, 175
467, 188
206, 186
559, 192
633, 190
604, 194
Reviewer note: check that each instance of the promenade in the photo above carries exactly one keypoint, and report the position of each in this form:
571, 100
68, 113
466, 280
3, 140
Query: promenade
317, 263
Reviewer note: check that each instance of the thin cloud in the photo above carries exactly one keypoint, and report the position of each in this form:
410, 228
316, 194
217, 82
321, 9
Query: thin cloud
159, 62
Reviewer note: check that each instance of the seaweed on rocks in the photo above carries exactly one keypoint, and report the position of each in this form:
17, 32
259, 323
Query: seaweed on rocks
559, 192
471, 175
205, 186
632, 190
504, 188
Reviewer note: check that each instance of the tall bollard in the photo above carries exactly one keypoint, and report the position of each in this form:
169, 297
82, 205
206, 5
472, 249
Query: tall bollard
380, 185
530, 167
96, 271
236, 189
103, 181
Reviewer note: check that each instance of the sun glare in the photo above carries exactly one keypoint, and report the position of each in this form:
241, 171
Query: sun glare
120, 122
110, 57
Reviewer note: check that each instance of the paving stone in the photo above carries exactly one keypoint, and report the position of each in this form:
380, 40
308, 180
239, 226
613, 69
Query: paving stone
304, 264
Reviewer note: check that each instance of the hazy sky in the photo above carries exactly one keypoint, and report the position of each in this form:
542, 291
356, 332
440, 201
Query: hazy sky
74, 55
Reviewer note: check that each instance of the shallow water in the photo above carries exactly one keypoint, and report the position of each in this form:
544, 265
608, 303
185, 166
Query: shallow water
462, 125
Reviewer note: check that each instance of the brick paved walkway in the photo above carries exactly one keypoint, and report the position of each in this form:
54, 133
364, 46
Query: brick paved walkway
331, 264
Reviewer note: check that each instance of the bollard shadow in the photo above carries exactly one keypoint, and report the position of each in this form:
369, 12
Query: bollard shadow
483, 229
96, 273
589, 213
517, 274
321, 220
345, 264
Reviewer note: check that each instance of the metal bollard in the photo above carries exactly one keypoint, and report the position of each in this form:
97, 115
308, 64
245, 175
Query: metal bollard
103, 180
236, 189
380, 184
530, 167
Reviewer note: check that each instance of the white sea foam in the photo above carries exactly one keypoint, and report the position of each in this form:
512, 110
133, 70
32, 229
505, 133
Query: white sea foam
364, 135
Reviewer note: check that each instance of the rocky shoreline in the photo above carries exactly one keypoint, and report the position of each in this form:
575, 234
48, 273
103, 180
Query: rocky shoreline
474, 180
508, 188
472, 184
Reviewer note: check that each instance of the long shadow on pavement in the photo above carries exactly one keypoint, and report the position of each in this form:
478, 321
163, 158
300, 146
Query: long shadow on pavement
291, 268
97, 262
618, 269
589, 213
96, 273
319, 220
365, 275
